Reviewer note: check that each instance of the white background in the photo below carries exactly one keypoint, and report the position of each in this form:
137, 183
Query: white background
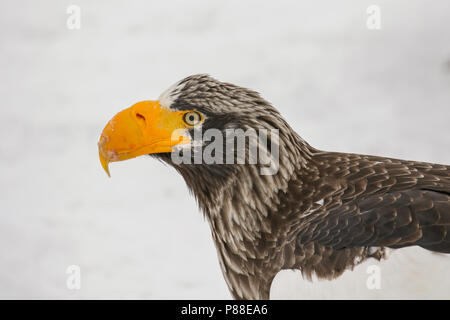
139, 234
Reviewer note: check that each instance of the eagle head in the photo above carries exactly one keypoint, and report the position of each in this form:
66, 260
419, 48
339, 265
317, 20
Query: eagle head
179, 121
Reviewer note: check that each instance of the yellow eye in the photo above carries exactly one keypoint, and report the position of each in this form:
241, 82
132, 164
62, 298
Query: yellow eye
192, 118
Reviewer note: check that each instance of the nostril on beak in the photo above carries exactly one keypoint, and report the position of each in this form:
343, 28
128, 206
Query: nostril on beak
140, 119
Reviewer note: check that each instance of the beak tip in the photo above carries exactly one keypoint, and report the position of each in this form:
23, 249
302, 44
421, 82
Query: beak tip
106, 168
105, 164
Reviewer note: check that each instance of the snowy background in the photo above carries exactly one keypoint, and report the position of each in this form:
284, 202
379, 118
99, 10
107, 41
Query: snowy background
139, 234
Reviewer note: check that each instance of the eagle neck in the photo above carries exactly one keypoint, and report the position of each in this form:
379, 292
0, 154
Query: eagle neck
241, 206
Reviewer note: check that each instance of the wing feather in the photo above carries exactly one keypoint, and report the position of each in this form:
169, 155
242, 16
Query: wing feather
373, 202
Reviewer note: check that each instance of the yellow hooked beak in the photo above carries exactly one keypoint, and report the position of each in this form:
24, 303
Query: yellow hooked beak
144, 128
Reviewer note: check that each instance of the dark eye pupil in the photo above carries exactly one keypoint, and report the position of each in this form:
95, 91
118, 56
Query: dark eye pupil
191, 118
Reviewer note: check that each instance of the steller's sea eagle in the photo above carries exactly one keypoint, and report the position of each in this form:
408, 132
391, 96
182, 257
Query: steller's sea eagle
322, 213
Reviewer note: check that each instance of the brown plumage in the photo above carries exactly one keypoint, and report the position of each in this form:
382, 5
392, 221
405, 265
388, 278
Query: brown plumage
322, 213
